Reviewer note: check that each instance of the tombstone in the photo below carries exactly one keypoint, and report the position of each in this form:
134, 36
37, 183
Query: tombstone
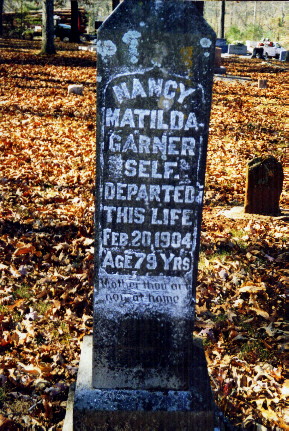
250, 44
263, 186
222, 43
75, 89
284, 55
218, 57
219, 69
262, 83
155, 72
238, 49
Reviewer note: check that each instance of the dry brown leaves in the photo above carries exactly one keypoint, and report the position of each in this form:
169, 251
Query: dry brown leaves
244, 260
46, 240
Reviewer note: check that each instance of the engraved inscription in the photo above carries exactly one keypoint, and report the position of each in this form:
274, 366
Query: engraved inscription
151, 137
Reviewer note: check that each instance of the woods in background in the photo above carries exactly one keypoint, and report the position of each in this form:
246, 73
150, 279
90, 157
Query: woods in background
235, 20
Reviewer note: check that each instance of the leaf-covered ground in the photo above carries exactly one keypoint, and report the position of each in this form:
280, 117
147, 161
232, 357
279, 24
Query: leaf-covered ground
47, 145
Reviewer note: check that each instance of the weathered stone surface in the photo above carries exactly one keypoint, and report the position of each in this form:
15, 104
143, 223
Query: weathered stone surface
155, 69
142, 410
222, 43
262, 83
263, 186
218, 61
218, 57
284, 55
237, 49
142, 371
75, 89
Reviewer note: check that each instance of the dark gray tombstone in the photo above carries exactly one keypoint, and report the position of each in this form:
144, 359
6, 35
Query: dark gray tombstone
284, 55
263, 186
155, 71
222, 43
238, 49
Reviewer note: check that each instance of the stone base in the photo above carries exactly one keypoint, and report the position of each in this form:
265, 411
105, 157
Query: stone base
141, 410
220, 70
238, 212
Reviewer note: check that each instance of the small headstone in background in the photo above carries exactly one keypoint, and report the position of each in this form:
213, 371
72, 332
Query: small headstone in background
262, 83
284, 55
222, 43
75, 89
263, 186
218, 58
218, 61
237, 49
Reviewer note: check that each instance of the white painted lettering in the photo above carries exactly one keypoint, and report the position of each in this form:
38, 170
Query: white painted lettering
160, 120
121, 92
191, 122
168, 171
184, 93
114, 142
160, 145
137, 89
153, 119
155, 87
143, 165
168, 94
188, 146
169, 89
142, 113
109, 191
177, 120
167, 260
133, 192
124, 214
130, 170
112, 117
144, 144
129, 144
172, 147
127, 119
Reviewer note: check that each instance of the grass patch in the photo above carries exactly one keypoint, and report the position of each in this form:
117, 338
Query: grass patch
4, 309
205, 260
3, 395
41, 307
23, 292
238, 235
220, 317
254, 350
62, 333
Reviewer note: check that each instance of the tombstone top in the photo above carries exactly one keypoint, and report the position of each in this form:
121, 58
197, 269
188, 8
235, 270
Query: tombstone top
164, 34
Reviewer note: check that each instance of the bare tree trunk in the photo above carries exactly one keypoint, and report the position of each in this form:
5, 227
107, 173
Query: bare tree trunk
1, 17
74, 34
222, 20
254, 19
47, 27
255, 12
232, 13
283, 14
217, 20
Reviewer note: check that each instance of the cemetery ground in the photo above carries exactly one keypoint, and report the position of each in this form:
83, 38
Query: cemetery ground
47, 176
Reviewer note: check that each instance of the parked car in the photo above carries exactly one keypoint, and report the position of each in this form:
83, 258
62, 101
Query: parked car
267, 49
62, 31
